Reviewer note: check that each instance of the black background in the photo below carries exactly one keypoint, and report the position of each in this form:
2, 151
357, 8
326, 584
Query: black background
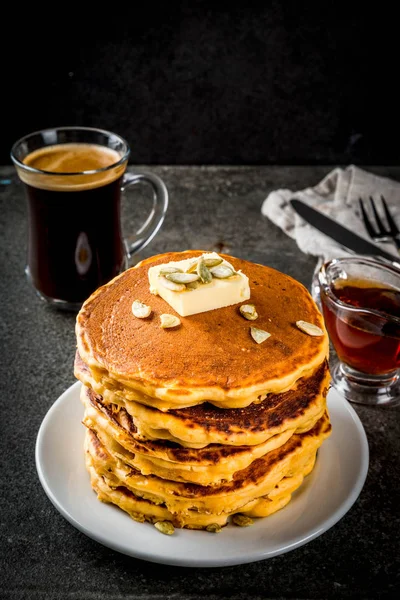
209, 82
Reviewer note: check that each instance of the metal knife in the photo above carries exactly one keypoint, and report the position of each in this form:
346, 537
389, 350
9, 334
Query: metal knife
343, 236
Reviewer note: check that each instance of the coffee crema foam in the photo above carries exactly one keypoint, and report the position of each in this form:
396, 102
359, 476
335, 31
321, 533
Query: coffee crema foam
61, 161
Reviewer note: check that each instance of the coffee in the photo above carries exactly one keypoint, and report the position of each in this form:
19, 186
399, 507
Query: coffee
69, 167
74, 178
75, 238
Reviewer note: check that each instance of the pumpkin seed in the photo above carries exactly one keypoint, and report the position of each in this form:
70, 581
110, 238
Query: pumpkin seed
140, 310
193, 286
309, 328
242, 520
222, 272
168, 321
192, 267
203, 272
248, 311
212, 262
166, 270
259, 335
165, 527
137, 517
182, 277
214, 528
209, 262
170, 285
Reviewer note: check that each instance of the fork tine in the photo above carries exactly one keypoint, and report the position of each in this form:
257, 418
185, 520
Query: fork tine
381, 227
393, 227
367, 223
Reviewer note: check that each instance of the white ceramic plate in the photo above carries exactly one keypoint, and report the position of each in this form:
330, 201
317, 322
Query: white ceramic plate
324, 498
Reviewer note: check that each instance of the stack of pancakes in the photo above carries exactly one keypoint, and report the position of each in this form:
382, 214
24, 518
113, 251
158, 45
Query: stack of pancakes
194, 424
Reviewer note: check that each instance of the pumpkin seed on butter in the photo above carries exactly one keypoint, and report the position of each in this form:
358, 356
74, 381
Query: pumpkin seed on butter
203, 272
140, 310
222, 272
242, 520
192, 267
182, 277
193, 285
212, 262
309, 328
165, 527
170, 285
259, 335
248, 311
209, 262
168, 270
168, 321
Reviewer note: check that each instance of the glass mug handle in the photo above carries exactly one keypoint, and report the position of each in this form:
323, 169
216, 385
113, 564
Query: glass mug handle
154, 220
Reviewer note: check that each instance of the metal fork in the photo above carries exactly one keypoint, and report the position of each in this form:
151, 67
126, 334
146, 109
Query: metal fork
381, 232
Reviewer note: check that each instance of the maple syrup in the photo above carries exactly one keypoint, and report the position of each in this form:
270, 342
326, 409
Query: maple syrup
365, 332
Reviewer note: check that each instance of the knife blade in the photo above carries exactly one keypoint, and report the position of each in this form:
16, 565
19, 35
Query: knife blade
343, 236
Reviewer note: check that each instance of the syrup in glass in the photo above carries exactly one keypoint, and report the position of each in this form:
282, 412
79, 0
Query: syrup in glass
367, 343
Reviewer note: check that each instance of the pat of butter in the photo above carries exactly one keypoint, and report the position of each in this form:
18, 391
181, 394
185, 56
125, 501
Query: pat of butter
207, 296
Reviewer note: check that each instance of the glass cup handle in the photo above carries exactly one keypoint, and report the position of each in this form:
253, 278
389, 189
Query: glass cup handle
154, 220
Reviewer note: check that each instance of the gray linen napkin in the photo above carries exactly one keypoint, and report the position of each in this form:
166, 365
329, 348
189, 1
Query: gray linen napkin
337, 196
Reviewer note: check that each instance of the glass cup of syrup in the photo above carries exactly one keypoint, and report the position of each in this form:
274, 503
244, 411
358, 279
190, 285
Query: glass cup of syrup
360, 300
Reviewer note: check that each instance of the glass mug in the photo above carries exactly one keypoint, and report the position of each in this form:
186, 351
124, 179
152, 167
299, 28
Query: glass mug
360, 299
73, 178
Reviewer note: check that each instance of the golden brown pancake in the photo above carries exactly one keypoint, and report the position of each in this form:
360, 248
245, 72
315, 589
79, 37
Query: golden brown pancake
120, 425
197, 423
183, 499
143, 510
211, 356
198, 426
206, 466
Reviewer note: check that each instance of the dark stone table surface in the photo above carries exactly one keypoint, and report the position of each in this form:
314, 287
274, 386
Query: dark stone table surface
43, 556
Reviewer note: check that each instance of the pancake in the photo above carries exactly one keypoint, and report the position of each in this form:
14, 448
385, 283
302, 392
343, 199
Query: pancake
211, 357
198, 426
207, 466
197, 423
187, 503
143, 510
